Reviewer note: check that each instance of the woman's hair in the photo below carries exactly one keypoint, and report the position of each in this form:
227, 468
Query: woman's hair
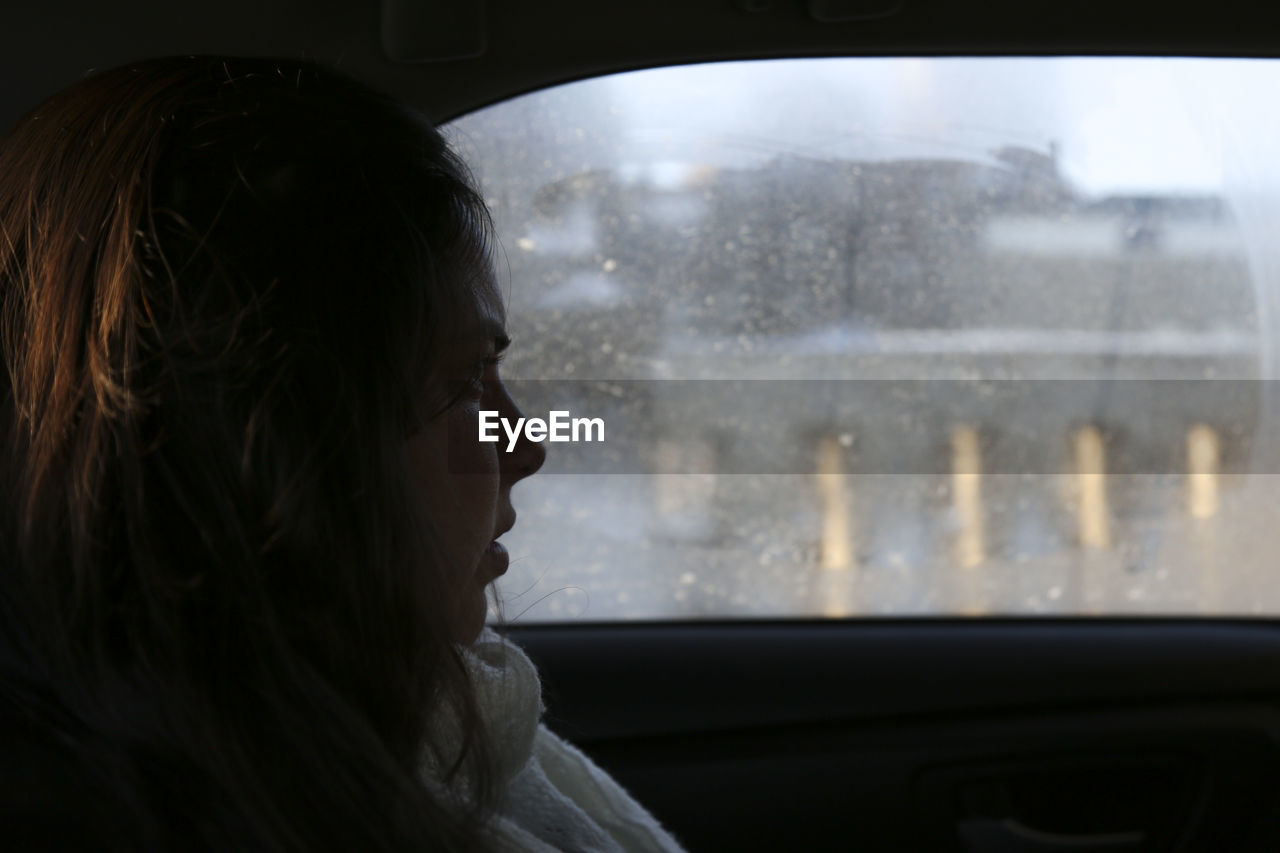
224, 289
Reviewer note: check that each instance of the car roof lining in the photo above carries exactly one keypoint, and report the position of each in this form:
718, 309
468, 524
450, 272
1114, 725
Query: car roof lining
528, 46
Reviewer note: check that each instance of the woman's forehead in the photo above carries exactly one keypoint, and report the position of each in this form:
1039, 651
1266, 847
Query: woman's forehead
482, 313
488, 302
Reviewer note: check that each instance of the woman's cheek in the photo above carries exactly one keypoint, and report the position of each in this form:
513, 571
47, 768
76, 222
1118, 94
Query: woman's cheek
467, 453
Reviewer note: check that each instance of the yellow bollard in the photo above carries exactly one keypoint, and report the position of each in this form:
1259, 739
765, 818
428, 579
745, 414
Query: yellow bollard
1093, 513
1203, 455
837, 559
966, 492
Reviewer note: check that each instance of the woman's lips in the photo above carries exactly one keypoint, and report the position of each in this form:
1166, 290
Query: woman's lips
495, 560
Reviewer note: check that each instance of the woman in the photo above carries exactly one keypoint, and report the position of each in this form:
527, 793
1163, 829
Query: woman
249, 318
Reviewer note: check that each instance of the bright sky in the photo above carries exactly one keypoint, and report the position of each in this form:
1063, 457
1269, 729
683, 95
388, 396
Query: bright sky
1121, 125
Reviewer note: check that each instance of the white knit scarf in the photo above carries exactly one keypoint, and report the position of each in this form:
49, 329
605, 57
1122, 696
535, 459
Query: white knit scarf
555, 800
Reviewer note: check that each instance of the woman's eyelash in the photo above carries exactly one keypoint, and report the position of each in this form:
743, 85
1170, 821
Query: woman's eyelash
490, 361
482, 367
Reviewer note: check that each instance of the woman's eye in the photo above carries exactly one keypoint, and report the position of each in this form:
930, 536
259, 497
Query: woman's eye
486, 371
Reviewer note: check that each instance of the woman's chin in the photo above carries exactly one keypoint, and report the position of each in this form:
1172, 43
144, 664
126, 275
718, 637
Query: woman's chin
473, 620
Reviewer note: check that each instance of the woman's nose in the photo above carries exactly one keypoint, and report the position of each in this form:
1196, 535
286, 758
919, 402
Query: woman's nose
527, 456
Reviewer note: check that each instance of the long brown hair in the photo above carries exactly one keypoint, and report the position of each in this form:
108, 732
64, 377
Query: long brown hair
223, 287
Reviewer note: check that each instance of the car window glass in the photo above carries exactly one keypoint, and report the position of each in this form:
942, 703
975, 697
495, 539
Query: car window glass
893, 336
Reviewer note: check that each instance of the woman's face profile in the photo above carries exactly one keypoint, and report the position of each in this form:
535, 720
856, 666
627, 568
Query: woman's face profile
467, 483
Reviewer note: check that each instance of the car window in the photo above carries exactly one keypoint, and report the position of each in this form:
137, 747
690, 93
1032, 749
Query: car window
892, 336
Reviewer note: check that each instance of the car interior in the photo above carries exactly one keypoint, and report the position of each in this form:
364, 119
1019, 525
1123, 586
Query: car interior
874, 628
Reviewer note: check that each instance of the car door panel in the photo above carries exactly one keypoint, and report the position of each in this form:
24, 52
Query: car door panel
933, 734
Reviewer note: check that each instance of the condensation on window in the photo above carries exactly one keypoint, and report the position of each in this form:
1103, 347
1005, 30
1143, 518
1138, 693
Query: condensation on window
1096, 233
